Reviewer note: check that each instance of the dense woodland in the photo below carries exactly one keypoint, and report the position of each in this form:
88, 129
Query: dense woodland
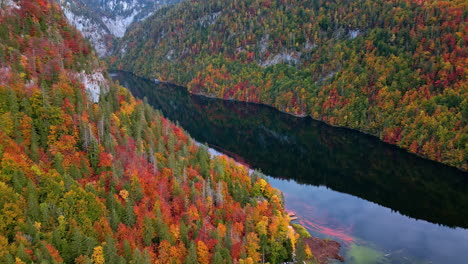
394, 69
112, 181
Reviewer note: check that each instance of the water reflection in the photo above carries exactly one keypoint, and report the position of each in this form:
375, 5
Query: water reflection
313, 153
347, 185
393, 238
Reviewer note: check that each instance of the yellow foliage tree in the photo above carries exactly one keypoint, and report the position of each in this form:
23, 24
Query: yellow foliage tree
3, 246
308, 252
124, 194
19, 261
252, 247
98, 255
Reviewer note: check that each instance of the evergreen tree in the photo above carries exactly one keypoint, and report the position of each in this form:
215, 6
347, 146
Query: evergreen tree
148, 233
217, 256
192, 254
127, 250
110, 250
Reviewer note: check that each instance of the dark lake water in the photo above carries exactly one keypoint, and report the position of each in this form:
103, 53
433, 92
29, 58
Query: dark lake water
383, 204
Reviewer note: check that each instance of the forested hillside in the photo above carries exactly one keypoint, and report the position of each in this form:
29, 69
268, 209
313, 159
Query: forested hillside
393, 69
88, 174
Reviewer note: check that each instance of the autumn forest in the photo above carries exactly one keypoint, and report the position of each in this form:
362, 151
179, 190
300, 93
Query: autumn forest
112, 181
393, 69
89, 174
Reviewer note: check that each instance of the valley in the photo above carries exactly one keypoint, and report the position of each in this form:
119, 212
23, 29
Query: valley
339, 183
392, 69
233, 132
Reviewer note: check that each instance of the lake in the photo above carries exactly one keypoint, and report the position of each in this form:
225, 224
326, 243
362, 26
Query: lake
382, 203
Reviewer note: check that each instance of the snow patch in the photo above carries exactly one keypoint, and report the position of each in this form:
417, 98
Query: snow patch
5, 75
170, 54
10, 4
118, 25
328, 76
94, 84
264, 41
90, 30
103, 21
354, 33
209, 19
123, 50
240, 49
309, 46
291, 58
121, 5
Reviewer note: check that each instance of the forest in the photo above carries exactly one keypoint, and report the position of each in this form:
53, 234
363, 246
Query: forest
109, 179
393, 69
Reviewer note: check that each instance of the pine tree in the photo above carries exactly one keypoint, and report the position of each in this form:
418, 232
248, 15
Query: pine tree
127, 250
33, 203
192, 257
75, 247
110, 250
129, 218
217, 256
34, 148
93, 154
184, 233
148, 233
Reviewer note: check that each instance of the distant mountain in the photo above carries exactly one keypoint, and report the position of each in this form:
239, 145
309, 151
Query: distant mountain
103, 21
393, 69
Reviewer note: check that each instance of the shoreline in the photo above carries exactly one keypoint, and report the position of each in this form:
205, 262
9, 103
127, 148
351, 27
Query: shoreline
297, 116
324, 250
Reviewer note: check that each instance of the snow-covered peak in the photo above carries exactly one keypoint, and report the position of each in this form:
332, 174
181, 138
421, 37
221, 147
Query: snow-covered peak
103, 21
119, 25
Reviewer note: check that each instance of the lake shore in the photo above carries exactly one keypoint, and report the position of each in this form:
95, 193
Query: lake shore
322, 172
298, 116
324, 249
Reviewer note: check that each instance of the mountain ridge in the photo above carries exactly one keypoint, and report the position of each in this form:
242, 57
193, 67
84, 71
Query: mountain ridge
392, 69
104, 22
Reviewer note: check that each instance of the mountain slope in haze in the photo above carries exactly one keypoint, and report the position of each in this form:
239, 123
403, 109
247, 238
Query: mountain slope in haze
393, 69
102, 22
88, 174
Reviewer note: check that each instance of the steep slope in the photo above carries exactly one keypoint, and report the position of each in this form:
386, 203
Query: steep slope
393, 69
88, 174
103, 22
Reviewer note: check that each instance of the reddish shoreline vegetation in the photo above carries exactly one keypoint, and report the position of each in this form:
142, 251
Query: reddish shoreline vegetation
324, 250
88, 174
392, 69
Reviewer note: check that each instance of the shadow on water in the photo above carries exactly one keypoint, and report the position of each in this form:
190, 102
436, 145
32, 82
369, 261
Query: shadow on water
314, 153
